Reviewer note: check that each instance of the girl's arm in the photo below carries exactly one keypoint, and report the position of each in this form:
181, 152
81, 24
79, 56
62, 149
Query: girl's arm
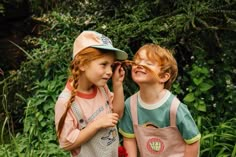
108, 120
130, 146
117, 83
192, 150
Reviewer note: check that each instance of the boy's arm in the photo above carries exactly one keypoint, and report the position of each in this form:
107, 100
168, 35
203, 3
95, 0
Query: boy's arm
192, 150
130, 146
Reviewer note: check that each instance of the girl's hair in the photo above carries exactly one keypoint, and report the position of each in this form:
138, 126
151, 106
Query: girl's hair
84, 57
165, 60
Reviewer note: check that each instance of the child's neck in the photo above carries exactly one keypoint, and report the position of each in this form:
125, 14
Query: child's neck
152, 95
84, 88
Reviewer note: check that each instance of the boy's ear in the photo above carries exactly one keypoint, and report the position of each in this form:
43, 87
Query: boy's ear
165, 77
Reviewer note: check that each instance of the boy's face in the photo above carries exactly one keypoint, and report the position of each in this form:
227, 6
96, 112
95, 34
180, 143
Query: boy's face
146, 71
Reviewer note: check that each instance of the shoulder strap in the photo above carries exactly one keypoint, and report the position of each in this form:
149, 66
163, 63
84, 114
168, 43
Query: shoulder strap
133, 108
173, 110
79, 115
104, 93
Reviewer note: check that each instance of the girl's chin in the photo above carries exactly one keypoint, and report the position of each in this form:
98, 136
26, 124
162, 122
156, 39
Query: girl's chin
101, 84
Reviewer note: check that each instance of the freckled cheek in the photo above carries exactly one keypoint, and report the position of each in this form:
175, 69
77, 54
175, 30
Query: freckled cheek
134, 67
133, 72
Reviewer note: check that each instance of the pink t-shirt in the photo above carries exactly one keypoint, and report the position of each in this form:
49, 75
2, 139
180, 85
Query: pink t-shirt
92, 106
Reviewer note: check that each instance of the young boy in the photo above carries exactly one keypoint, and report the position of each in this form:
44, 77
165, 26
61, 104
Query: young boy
155, 122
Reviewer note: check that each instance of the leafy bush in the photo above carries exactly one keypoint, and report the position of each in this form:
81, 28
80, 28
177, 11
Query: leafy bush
203, 41
219, 140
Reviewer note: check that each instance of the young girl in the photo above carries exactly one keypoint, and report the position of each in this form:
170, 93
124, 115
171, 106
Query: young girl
154, 120
86, 112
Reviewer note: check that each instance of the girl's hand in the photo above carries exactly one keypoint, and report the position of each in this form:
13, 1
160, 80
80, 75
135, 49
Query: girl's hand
107, 120
118, 73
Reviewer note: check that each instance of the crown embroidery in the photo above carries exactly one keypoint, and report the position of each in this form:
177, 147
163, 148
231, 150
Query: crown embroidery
155, 146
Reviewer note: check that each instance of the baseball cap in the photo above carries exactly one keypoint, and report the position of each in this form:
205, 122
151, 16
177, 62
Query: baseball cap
96, 40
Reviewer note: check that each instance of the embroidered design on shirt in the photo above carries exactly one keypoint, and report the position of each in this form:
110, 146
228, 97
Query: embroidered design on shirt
109, 137
155, 146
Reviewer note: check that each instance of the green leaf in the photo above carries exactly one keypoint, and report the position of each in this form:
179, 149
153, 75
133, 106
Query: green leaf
43, 123
234, 151
205, 86
189, 97
204, 70
201, 107
197, 81
40, 118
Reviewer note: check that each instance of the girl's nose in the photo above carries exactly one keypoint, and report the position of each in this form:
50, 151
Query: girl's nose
109, 71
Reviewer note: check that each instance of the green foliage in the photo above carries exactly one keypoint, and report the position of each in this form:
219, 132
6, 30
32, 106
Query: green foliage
41, 79
202, 39
220, 140
201, 86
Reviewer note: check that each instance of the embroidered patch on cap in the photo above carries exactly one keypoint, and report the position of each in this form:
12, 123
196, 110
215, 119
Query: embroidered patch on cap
155, 146
106, 40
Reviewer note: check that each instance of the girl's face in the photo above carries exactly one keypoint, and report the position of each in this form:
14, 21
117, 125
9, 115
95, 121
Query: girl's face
142, 75
99, 71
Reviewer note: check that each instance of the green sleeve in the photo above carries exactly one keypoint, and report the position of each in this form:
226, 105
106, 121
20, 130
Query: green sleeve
187, 125
126, 124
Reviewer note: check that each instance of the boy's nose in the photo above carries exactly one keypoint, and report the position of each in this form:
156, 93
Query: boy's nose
140, 65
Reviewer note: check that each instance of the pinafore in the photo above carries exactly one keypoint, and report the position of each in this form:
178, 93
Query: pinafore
106, 141
158, 142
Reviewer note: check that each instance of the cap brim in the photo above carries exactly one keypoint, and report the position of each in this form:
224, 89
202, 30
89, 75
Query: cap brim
120, 55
